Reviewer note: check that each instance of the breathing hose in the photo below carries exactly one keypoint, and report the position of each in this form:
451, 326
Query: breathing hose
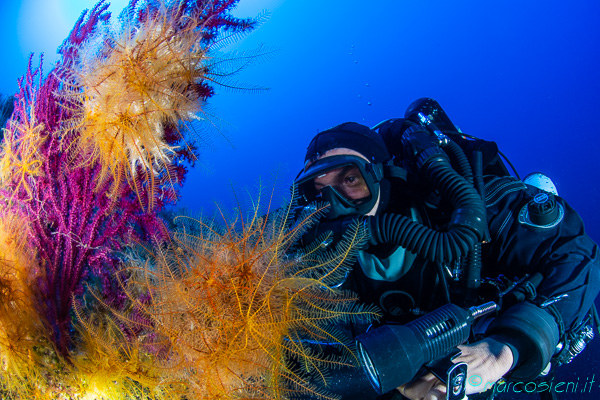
456, 153
467, 224
472, 260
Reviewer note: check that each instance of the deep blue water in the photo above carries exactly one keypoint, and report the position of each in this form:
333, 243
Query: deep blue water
522, 73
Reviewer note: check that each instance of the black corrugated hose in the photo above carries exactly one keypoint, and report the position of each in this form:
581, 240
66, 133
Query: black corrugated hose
467, 223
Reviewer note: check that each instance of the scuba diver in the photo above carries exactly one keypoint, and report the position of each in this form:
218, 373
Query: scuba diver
448, 225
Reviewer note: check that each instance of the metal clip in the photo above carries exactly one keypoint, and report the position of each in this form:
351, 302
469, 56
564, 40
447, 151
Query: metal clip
553, 300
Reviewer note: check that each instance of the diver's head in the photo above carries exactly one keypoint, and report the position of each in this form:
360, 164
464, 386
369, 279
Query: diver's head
344, 167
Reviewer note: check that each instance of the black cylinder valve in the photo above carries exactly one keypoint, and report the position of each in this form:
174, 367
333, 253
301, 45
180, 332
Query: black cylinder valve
542, 209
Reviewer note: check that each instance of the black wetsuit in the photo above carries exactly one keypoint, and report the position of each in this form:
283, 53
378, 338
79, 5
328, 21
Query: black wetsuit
564, 255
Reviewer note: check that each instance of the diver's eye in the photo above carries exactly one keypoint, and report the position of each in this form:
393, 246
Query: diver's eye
351, 180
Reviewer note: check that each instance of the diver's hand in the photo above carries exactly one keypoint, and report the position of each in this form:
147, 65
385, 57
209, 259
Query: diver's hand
427, 387
487, 361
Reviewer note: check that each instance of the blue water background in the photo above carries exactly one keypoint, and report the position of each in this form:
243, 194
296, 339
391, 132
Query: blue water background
525, 74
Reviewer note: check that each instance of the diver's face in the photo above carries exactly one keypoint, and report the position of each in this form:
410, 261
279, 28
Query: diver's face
348, 181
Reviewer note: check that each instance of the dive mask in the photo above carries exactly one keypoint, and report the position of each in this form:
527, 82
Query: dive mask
348, 183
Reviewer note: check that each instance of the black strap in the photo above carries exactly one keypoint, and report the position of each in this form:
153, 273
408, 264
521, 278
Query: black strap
393, 171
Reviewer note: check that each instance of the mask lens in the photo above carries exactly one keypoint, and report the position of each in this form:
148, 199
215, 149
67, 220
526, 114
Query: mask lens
348, 181
343, 175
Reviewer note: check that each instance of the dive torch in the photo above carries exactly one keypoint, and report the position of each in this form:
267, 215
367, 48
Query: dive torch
392, 355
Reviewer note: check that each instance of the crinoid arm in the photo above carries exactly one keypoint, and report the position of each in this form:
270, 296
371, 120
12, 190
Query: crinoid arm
132, 84
238, 312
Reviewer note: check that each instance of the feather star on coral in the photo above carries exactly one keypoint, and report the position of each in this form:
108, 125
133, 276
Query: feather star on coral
91, 155
133, 83
234, 313
75, 215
